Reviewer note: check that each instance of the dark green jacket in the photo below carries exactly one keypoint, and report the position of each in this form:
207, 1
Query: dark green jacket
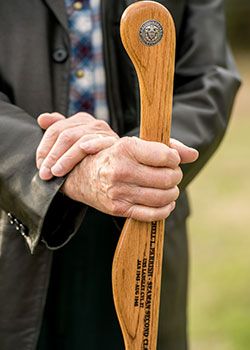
34, 78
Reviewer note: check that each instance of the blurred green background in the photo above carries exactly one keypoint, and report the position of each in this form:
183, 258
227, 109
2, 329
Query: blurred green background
219, 293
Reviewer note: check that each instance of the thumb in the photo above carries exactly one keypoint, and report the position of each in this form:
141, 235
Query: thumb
47, 119
187, 154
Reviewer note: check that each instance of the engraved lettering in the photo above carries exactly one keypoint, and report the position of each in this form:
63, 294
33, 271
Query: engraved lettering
143, 282
149, 289
137, 283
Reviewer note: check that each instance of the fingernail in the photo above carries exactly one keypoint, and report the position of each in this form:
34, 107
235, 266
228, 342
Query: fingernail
45, 173
196, 153
39, 162
56, 169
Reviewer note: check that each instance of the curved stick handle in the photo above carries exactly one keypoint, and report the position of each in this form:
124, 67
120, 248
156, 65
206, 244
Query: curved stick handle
148, 35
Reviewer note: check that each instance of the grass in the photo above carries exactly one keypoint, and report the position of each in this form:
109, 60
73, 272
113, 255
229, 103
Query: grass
219, 309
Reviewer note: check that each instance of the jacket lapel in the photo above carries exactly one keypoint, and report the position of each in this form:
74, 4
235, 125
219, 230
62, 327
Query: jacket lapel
58, 8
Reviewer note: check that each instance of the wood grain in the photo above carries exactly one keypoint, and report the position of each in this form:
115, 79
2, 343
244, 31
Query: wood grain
137, 264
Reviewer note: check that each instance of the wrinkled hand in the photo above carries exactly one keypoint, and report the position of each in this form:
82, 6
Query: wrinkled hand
132, 178
66, 141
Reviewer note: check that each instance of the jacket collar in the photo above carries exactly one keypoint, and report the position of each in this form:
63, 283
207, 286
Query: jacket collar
58, 8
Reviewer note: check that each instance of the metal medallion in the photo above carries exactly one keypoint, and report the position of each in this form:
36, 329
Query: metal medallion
151, 32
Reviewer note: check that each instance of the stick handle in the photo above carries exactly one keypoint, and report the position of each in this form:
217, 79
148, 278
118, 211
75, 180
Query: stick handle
148, 35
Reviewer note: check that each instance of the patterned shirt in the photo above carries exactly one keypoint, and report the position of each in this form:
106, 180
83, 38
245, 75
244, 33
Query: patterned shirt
87, 79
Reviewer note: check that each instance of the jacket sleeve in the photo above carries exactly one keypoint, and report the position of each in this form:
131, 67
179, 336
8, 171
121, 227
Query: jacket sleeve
35, 207
206, 82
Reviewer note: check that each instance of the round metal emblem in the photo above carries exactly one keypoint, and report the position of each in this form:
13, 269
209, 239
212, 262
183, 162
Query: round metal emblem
151, 32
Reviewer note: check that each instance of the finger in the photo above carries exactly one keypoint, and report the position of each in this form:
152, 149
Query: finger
45, 120
83, 121
147, 214
68, 161
153, 153
155, 198
96, 145
63, 143
78, 152
149, 197
50, 137
187, 154
145, 176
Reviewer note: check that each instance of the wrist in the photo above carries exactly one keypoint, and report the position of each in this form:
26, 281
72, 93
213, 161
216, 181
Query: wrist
71, 187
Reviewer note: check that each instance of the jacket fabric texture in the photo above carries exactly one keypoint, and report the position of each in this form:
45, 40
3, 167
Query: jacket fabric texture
34, 78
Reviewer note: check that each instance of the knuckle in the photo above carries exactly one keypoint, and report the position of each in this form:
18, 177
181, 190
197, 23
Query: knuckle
127, 141
169, 178
101, 124
65, 162
158, 200
84, 116
52, 132
133, 213
62, 167
162, 146
161, 199
173, 177
113, 193
119, 173
117, 208
121, 193
66, 136
104, 173
41, 152
164, 150
179, 175
51, 158
123, 173
176, 193
80, 116
114, 175
125, 146
166, 212
174, 155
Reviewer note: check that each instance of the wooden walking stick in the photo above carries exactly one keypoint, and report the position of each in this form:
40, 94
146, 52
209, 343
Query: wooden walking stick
148, 35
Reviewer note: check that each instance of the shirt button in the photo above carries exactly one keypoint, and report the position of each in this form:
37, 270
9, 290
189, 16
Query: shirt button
78, 5
80, 73
11, 218
60, 55
16, 222
23, 230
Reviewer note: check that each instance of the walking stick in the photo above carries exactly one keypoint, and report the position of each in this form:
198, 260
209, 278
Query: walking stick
148, 35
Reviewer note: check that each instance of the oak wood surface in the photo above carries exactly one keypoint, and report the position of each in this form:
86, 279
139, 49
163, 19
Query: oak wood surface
137, 264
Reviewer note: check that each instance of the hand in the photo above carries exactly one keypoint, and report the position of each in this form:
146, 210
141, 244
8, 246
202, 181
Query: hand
187, 154
133, 178
66, 142
59, 156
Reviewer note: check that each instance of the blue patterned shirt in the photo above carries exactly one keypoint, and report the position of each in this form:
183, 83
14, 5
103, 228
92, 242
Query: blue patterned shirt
87, 79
